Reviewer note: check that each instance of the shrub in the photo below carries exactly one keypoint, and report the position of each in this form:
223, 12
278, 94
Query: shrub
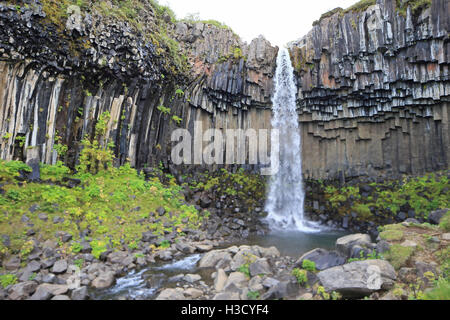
7, 280
445, 222
300, 275
309, 265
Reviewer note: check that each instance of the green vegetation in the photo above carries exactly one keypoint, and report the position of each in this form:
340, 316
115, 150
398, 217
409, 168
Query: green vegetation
240, 184
420, 194
194, 18
235, 54
417, 6
253, 295
7, 280
392, 232
109, 202
360, 6
445, 222
164, 110
440, 292
245, 269
362, 257
398, 255
300, 275
309, 265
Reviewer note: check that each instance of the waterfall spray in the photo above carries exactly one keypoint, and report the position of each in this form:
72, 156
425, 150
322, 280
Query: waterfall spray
286, 195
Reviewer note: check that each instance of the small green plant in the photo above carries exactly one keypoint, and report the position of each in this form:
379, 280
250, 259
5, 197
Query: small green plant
165, 244
321, 292
7, 280
309, 265
178, 120
300, 275
79, 263
76, 247
179, 93
163, 109
245, 269
253, 295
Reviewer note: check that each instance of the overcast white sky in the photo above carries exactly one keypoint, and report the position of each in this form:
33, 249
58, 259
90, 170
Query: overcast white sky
280, 21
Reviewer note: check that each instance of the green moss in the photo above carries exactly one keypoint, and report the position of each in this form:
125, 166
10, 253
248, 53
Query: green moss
360, 6
7, 280
417, 6
445, 222
363, 211
398, 255
440, 292
392, 233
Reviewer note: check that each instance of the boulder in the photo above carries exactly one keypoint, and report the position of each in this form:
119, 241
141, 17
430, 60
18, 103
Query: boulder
220, 280
193, 293
229, 296
59, 267
104, 280
212, 258
260, 267
22, 290
41, 294
345, 244
61, 298
171, 294
282, 290
80, 294
191, 278
235, 280
12, 264
436, 216
322, 258
54, 289
358, 279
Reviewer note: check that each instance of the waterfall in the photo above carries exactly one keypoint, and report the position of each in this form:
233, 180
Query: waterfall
286, 195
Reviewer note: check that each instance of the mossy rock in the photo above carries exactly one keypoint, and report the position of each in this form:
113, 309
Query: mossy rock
399, 255
445, 222
392, 233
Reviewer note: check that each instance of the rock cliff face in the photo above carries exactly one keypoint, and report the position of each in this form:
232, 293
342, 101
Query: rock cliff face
374, 91
373, 86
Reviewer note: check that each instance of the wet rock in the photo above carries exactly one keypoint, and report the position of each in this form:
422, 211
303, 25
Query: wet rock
104, 280
358, 279
322, 258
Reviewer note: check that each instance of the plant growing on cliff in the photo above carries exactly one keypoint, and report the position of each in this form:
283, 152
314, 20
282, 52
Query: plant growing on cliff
97, 155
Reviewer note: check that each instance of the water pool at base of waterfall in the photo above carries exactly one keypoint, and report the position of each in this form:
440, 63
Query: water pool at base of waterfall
145, 283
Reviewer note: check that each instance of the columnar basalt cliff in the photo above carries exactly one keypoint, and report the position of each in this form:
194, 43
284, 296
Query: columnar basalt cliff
373, 85
374, 91
56, 81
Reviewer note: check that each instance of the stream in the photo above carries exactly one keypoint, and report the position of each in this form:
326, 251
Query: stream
144, 284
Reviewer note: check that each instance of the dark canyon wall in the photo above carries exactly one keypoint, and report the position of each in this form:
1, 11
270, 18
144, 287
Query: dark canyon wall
374, 91
373, 86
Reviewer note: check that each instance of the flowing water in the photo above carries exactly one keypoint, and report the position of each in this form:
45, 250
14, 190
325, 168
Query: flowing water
286, 195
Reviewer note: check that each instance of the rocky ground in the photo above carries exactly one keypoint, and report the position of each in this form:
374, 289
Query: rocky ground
404, 262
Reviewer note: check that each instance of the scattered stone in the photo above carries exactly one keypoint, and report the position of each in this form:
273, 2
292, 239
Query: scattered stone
59, 267
41, 294
255, 284
22, 291
227, 296
220, 280
260, 267
191, 278
80, 294
322, 258
48, 263
12, 264
358, 279
61, 298
345, 244
409, 243
171, 294
161, 211
382, 247
436, 216
235, 280
148, 236
43, 216
33, 266
446, 236
193, 293
104, 280
306, 296
210, 259
54, 289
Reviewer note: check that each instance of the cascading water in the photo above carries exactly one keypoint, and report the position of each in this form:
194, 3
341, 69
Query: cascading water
286, 195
